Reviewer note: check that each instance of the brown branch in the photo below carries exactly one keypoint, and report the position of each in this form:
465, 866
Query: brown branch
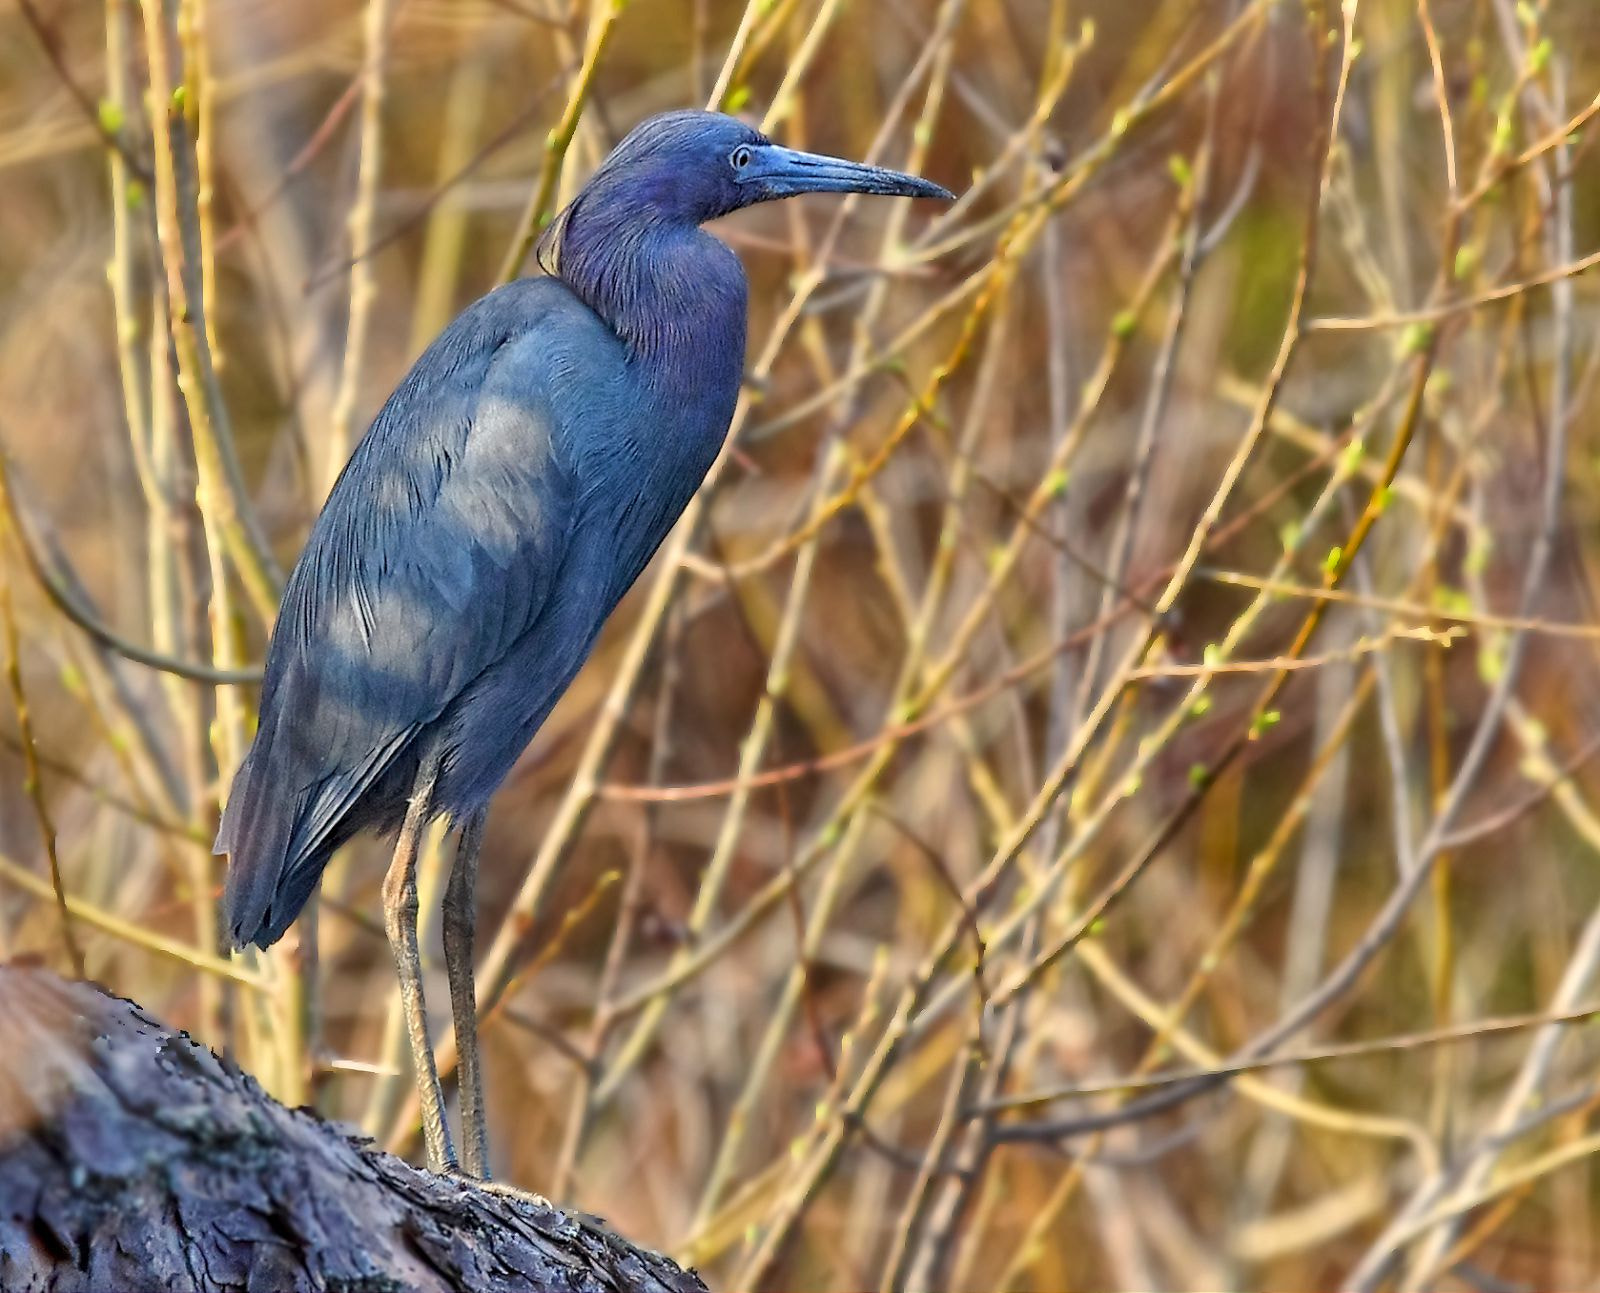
50, 41
132, 1157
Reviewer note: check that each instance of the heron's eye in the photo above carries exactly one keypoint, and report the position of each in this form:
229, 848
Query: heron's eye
740, 158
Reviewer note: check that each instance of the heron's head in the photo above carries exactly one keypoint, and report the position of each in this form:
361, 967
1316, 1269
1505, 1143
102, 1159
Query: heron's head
688, 167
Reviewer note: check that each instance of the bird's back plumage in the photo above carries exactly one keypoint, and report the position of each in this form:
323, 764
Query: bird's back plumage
438, 550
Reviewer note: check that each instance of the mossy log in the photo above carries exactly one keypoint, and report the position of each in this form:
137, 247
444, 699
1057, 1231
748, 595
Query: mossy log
133, 1158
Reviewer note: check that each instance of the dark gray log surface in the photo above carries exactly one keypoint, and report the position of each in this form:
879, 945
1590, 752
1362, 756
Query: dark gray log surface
132, 1158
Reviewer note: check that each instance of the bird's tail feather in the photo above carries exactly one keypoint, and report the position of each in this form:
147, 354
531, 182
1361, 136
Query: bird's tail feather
254, 833
278, 839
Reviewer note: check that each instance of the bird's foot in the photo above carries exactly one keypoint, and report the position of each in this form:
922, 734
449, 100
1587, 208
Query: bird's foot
500, 1188
586, 1220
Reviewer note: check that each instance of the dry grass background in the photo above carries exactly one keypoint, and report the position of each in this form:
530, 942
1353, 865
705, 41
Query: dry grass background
1145, 621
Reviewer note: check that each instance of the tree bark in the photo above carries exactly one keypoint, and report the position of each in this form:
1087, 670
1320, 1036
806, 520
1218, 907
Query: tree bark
133, 1158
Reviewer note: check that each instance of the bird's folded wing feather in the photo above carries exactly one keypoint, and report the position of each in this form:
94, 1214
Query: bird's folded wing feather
437, 548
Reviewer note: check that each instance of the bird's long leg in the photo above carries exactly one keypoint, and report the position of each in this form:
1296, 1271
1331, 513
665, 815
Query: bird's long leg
400, 923
460, 920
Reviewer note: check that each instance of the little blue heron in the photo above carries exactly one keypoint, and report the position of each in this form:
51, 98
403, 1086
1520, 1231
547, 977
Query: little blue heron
502, 502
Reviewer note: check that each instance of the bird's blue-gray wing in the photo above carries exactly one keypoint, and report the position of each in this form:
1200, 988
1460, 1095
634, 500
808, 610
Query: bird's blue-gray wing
436, 550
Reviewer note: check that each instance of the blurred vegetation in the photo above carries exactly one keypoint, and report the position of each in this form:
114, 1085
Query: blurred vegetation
1143, 623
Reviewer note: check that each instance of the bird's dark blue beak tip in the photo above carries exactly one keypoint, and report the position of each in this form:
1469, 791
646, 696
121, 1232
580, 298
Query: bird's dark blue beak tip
928, 189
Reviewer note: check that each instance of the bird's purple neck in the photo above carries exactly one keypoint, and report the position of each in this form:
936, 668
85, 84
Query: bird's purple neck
675, 295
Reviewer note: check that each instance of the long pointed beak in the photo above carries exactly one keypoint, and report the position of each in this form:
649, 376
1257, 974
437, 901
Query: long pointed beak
777, 172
